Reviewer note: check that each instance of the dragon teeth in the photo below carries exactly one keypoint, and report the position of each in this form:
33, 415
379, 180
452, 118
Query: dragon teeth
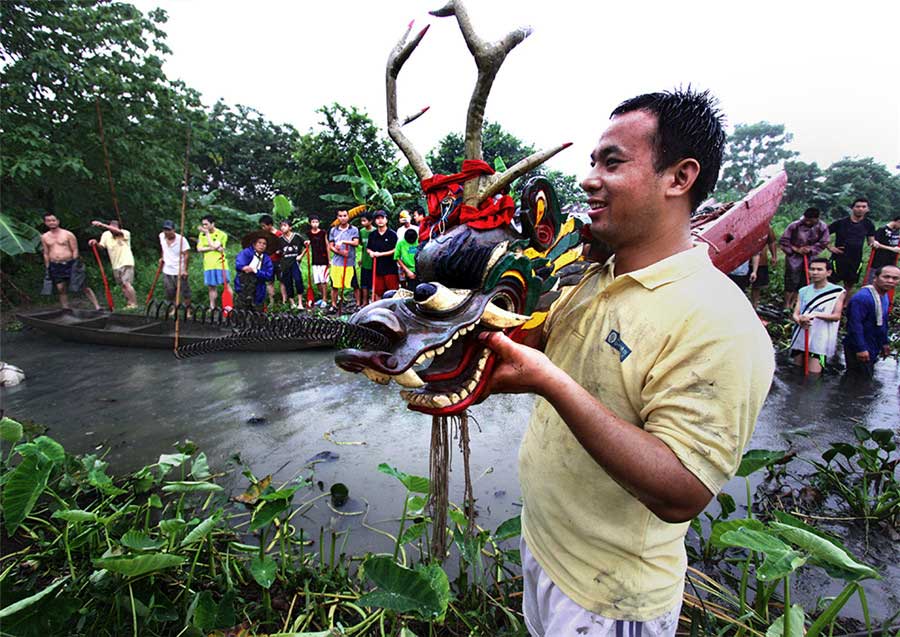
378, 377
439, 400
409, 378
454, 398
470, 386
463, 394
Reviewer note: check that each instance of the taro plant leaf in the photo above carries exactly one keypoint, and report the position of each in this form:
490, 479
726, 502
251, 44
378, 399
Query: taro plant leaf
790, 520
263, 570
509, 529
251, 495
140, 541
718, 528
756, 459
17, 237
75, 515
416, 505
200, 531
459, 517
169, 461
267, 512
439, 583
414, 532
415, 484
12, 609
200, 467
825, 553
139, 564
404, 590
727, 503
209, 615
10, 430
282, 494
797, 618
190, 487
780, 558
172, 526
861, 433
884, 438
22, 489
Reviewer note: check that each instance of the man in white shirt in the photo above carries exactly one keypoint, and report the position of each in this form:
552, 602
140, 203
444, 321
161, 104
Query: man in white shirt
173, 246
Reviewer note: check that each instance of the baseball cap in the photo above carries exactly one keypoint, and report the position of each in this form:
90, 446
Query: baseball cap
379, 213
168, 225
404, 216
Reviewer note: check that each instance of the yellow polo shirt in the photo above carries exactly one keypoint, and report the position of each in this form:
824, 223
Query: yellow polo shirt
213, 259
676, 349
119, 248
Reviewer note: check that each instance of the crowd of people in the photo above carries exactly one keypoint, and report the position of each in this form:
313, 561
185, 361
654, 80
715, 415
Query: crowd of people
819, 291
269, 254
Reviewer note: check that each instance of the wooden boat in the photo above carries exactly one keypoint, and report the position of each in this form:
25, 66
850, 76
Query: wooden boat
735, 232
138, 330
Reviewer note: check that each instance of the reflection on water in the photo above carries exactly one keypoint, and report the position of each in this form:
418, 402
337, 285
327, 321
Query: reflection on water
139, 402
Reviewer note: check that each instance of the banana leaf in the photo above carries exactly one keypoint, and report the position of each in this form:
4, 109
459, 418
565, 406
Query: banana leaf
16, 237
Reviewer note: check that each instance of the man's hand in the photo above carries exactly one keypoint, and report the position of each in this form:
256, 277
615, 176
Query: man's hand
885, 350
519, 369
371, 253
160, 261
805, 321
248, 269
753, 277
863, 356
96, 223
835, 250
92, 242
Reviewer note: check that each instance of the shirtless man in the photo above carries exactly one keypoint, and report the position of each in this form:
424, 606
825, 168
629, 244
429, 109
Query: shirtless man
60, 255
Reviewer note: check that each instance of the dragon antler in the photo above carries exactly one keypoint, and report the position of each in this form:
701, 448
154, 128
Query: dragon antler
489, 57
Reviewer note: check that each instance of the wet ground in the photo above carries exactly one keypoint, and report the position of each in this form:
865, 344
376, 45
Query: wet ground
290, 414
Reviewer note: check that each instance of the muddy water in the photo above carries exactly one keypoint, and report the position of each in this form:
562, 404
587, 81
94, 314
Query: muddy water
296, 414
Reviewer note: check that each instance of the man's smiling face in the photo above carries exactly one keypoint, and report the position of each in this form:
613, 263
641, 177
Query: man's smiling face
624, 190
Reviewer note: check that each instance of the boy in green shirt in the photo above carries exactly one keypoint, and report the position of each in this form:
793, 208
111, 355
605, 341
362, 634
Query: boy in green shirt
405, 256
365, 262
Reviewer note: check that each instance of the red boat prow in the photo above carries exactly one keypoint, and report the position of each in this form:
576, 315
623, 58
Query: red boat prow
736, 233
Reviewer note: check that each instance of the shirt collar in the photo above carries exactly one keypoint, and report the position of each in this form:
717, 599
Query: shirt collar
673, 268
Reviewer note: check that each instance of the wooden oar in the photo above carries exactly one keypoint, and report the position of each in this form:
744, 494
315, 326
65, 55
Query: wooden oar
153, 285
806, 329
869, 265
343, 282
310, 295
103, 275
112, 188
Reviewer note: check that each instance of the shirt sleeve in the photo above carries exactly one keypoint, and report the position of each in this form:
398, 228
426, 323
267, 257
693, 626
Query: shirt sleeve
785, 240
703, 394
870, 228
856, 312
822, 243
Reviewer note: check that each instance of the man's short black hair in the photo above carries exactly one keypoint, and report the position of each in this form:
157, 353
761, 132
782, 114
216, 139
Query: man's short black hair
315, 216
859, 200
366, 215
266, 219
49, 214
821, 260
688, 125
410, 236
812, 213
209, 218
878, 270
896, 217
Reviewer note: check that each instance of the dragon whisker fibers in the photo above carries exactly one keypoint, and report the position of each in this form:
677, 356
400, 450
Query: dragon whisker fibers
443, 429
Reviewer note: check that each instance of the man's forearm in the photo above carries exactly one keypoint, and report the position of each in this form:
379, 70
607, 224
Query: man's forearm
638, 461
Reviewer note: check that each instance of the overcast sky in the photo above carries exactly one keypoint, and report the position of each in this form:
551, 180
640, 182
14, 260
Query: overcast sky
827, 70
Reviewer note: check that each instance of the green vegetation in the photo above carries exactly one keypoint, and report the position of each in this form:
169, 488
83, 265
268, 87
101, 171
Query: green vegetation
164, 551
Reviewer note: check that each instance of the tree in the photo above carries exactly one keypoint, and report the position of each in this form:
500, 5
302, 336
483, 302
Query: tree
751, 149
805, 184
60, 60
851, 177
319, 155
447, 157
239, 153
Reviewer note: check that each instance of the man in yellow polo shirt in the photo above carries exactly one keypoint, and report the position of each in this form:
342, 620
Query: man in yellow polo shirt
117, 242
653, 371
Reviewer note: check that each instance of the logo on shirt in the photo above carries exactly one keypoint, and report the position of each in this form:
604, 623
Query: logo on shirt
615, 341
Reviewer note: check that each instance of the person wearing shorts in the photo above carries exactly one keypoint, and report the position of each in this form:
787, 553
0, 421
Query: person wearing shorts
342, 242
173, 247
211, 244
318, 255
117, 243
850, 234
288, 269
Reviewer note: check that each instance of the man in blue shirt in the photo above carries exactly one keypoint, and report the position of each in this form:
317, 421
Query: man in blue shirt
867, 321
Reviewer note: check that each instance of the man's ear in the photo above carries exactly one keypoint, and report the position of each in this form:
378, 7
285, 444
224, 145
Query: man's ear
681, 177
